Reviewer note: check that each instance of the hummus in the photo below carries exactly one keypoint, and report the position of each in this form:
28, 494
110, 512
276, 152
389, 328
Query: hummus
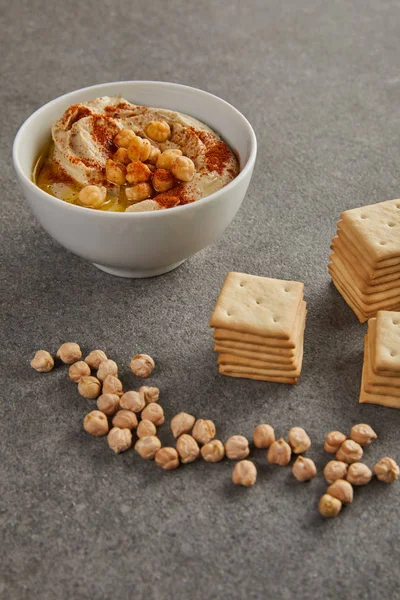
83, 141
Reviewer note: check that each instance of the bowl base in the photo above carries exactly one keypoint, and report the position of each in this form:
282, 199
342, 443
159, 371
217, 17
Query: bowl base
138, 274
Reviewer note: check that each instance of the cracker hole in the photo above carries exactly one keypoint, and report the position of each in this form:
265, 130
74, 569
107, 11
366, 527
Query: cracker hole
241, 284
392, 353
396, 322
286, 290
229, 314
382, 243
391, 224
258, 302
275, 320
363, 217
397, 205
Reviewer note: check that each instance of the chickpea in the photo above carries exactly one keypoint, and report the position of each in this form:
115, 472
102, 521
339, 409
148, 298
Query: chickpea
342, 490
115, 172
237, 447
363, 434
124, 138
158, 131
386, 470
137, 172
89, 387
187, 448
78, 370
94, 358
304, 469
108, 404
329, 506
139, 149
167, 158
333, 441
335, 469
149, 393
107, 367
119, 440
163, 180
203, 431
132, 401
154, 154
148, 446
146, 428
213, 451
142, 365
42, 362
69, 353
183, 168
279, 453
359, 474
299, 440
154, 412
263, 436
122, 157
138, 193
96, 423
125, 419
182, 423
244, 473
93, 196
349, 452
112, 385
167, 458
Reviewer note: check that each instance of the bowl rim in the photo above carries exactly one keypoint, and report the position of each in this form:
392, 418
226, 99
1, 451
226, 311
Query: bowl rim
145, 214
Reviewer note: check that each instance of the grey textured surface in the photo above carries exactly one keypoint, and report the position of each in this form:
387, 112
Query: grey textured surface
320, 83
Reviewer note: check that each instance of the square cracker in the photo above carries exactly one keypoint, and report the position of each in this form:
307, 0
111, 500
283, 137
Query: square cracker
260, 368
258, 305
375, 230
277, 358
374, 377
254, 341
373, 272
385, 386
387, 341
231, 371
285, 353
373, 397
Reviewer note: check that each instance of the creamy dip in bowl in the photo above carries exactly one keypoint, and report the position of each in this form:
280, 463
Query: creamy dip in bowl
141, 244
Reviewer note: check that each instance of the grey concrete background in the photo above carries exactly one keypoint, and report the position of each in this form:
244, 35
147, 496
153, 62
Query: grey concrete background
320, 83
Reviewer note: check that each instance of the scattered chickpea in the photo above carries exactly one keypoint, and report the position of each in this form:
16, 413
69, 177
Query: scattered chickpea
213, 451
304, 469
263, 436
244, 473
279, 453
182, 423
386, 470
137, 172
203, 431
167, 458
329, 506
167, 158
154, 154
187, 448
96, 423
115, 172
124, 138
42, 362
154, 412
107, 367
139, 149
342, 490
146, 428
112, 385
148, 446
122, 157
93, 196
89, 387
94, 358
349, 452
333, 441
142, 365
158, 131
359, 474
78, 370
237, 447
132, 401
363, 434
119, 440
69, 353
108, 404
149, 393
125, 419
163, 180
139, 192
299, 440
335, 469
183, 168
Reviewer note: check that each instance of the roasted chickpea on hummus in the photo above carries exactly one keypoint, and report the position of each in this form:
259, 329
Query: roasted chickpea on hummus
109, 154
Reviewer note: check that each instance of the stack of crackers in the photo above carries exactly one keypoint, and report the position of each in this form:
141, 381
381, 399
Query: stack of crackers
380, 382
365, 264
259, 328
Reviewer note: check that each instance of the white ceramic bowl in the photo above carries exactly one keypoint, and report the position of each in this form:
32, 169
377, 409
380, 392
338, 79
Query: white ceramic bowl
138, 244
